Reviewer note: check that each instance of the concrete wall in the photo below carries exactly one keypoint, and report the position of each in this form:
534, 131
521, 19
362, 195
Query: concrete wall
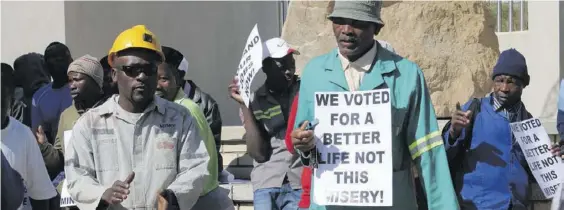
29, 27
210, 34
540, 46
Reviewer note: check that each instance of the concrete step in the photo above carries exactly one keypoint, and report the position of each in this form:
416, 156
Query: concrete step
237, 162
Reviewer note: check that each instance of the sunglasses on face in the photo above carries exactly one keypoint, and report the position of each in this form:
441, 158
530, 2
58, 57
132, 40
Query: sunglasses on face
135, 70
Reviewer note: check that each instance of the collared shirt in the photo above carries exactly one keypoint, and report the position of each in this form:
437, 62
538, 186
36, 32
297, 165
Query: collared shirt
415, 134
354, 71
270, 114
512, 113
162, 145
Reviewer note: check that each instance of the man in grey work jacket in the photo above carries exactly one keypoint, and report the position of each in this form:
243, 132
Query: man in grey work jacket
136, 147
276, 173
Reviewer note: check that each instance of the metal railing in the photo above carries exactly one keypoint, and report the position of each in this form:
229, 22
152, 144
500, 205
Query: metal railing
507, 6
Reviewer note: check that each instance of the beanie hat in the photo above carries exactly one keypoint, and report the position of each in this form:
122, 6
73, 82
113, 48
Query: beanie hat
90, 66
511, 62
368, 11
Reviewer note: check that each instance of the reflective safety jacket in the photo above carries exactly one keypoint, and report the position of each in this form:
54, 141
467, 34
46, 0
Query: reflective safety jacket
415, 134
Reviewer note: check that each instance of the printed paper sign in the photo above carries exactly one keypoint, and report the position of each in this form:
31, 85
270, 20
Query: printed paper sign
66, 199
535, 143
250, 64
354, 142
61, 176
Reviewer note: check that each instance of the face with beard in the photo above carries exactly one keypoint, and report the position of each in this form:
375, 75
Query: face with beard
508, 89
354, 37
58, 59
135, 72
279, 72
166, 85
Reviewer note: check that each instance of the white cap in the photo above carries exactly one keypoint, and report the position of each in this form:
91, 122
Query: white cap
277, 48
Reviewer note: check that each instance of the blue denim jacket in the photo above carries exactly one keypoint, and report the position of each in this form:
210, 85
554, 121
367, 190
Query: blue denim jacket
494, 174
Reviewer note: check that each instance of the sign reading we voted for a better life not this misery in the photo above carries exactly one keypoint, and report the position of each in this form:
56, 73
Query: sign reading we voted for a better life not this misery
535, 143
354, 143
250, 64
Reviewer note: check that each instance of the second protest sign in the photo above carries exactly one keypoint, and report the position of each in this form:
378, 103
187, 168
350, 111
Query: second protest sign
354, 142
535, 143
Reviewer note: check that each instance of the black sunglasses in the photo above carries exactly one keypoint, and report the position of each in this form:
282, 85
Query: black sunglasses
135, 70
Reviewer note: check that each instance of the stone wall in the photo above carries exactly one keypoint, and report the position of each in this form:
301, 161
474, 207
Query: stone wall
454, 43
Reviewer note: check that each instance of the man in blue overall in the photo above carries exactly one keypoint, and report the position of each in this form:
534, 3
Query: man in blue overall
494, 173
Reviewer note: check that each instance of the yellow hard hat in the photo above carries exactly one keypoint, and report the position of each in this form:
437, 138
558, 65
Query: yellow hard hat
136, 37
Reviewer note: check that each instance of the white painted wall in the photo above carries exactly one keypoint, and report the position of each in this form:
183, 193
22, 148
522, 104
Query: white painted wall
28, 26
541, 47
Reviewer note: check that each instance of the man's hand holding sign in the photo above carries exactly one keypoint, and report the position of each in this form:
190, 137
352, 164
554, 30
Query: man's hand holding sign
250, 64
353, 148
303, 138
535, 143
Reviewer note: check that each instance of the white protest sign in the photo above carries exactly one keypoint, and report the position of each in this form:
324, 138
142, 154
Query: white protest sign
354, 141
535, 143
66, 199
250, 64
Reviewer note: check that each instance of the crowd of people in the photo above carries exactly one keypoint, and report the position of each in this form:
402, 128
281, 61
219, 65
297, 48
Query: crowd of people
132, 131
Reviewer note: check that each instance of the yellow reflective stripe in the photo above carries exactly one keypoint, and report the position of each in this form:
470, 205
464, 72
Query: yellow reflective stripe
276, 108
427, 148
423, 139
425, 144
268, 116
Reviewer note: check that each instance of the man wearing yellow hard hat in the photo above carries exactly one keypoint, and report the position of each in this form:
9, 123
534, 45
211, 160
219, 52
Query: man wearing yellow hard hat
136, 148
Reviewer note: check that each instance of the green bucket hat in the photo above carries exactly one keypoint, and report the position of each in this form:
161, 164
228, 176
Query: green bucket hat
358, 10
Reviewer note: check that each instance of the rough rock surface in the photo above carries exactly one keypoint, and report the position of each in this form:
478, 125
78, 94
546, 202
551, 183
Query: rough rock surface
454, 43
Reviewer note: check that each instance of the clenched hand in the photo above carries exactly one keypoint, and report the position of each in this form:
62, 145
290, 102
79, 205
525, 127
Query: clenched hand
302, 139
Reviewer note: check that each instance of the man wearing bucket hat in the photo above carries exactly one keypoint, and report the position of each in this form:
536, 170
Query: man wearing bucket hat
276, 173
360, 63
136, 148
